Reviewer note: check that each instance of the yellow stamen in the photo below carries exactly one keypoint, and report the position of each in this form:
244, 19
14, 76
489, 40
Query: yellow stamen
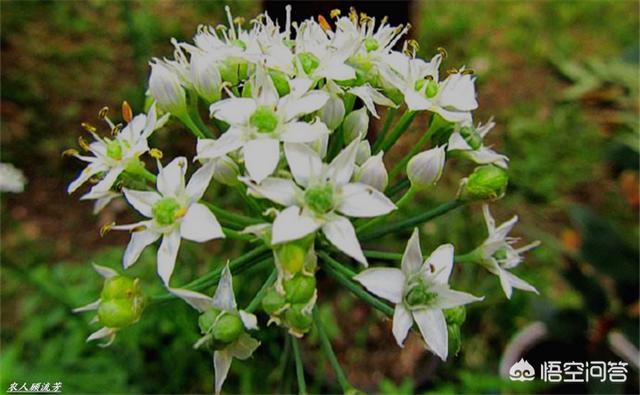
106, 228
116, 129
138, 229
468, 71
103, 112
83, 144
155, 153
181, 212
452, 70
238, 20
127, 113
70, 152
88, 127
335, 13
443, 52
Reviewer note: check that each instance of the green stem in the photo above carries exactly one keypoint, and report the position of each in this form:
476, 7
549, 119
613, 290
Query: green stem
302, 386
434, 127
188, 122
406, 197
411, 222
253, 305
343, 275
378, 220
470, 257
256, 257
396, 188
235, 235
391, 114
401, 126
349, 101
195, 116
250, 201
325, 345
149, 176
284, 361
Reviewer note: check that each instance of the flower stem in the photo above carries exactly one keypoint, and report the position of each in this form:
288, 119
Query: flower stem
250, 201
302, 386
396, 188
185, 118
325, 345
411, 222
195, 116
406, 197
284, 361
233, 218
149, 176
391, 114
343, 275
401, 126
253, 305
470, 257
378, 220
235, 235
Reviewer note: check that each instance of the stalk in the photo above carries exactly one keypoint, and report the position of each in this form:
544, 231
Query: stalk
302, 386
391, 114
325, 345
401, 126
434, 127
234, 218
195, 116
253, 305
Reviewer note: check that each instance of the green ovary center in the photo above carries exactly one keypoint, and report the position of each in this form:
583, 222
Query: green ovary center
431, 87
320, 198
419, 295
500, 255
371, 44
472, 137
309, 62
114, 150
166, 211
264, 119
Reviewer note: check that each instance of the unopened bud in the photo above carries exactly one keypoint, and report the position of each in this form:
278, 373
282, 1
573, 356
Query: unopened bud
456, 315
486, 182
364, 152
119, 287
205, 77
118, 313
355, 125
300, 288
226, 171
425, 169
297, 318
227, 328
164, 86
332, 113
373, 173
455, 339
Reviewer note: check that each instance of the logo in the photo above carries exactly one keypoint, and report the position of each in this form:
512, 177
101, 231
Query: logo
522, 371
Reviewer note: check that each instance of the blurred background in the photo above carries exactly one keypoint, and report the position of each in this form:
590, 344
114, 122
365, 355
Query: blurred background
561, 80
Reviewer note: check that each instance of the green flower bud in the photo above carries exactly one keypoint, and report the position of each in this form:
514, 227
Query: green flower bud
119, 287
296, 319
134, 166
300, 288
272, 301
118, 313
114, 150
319, 198
226, 171
332, 113
291, 257
229, 71
309, 62
371, 44
355, 125
165, 211
207, 319
280, 81
264, 119
456, 315
227, 328
486, 182
455, 339
247, 90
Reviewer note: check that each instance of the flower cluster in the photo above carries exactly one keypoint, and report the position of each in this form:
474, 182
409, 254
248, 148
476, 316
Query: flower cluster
289, 130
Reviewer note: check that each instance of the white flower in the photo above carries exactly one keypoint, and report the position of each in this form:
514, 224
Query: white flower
11, 178
224, 301
111, 156
205, 76
332, 113
372, 172
498, 254
355, 125
174, 214
469, 140
258, 124
425, 169
420, 291
318, 197
102, 198
454, 98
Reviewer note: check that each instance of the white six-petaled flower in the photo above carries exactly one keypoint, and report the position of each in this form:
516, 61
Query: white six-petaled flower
420, 291
469, 141
319, 197
174, 213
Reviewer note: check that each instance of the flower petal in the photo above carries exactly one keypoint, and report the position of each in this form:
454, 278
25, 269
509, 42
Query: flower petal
340, 233
200, 180
224, 299
412, 257
278, 190
509, 281
85, 175
167, 254
303, 132
306, 104
196, 300
250, 321
291, 224
261, 158
107, 181
234, 111
171, 178
362, 200
104, 271
88, 307
402, 322
303, 162
142, 201
342, 166
243, 347
449, 298
200, 225
433, 328
385, 282
139, 240
221, 364
211, 149
439, 265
